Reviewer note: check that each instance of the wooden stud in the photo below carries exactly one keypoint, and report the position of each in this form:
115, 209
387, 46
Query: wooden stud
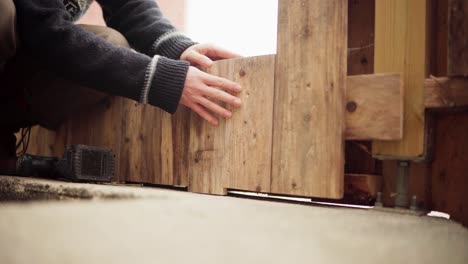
401, 45
310, 85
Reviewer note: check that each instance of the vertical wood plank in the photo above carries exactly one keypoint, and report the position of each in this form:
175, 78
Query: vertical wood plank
147, 144
310, 80
401, 45
237, 153
458, 38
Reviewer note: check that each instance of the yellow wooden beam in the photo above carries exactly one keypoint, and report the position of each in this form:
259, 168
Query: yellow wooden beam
401, 45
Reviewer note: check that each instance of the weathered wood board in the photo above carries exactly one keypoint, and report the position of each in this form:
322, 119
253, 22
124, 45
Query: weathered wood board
458, 38
237, 153
401, 45
310, 86
147, 151
374, 107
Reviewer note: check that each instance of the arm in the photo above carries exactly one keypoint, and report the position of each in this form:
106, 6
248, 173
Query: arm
145, 27
48, 36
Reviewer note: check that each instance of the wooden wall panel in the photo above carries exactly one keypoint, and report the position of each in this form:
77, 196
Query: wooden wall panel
449, 184
401, 45
237, 153
458, 38
308, 141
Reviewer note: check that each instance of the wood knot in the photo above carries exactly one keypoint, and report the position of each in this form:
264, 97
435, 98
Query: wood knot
351, 106
242, 73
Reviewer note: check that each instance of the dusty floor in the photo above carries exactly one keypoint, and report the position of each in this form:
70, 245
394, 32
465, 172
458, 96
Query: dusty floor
164, 226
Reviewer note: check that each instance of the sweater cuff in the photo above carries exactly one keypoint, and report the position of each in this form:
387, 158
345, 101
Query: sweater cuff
171, 45
167, 84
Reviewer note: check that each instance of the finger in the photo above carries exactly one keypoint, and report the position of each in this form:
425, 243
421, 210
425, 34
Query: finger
210, 105
199, 59
222, 83
221, 95
204, 114
221, 53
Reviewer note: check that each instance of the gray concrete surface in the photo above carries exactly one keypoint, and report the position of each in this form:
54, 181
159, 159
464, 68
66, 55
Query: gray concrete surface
177, 227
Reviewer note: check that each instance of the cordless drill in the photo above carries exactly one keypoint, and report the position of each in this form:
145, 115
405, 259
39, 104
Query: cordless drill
79, 163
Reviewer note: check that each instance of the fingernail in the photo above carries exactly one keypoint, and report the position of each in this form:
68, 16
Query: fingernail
238, 101
238, 87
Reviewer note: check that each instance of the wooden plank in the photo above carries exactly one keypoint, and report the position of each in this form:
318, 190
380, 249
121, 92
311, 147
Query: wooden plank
181, 144
449, 172
310, 85
457, 38
147, 154
374, 107
401, 46
446, 93
237, 153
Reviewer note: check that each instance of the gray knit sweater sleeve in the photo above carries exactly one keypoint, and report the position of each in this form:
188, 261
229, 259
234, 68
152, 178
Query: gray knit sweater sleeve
145, 27
49, 36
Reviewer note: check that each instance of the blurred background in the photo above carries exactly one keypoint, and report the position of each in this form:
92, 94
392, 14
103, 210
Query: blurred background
244, 26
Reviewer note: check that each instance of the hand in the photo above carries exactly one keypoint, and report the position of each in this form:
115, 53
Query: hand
204, 54
201, 89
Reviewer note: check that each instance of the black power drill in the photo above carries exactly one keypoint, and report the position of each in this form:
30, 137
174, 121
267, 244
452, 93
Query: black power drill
79, 163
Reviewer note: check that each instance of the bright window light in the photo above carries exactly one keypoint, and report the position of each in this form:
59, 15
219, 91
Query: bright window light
244, 26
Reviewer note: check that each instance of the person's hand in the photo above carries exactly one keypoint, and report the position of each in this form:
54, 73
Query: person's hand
203, 91
204, 54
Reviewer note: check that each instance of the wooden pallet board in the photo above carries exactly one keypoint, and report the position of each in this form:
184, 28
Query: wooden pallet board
401, 37
237, 153
310, 85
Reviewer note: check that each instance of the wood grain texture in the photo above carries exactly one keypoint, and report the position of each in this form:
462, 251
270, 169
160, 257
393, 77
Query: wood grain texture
401, 45
446, 93
237, 153
310, 86
147, 153
458, 38
374, 107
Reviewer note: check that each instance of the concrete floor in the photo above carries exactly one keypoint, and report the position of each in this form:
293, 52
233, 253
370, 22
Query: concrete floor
163, 226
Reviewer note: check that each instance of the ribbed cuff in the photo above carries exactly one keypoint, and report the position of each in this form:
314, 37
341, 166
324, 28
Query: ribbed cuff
168, 84
171, 45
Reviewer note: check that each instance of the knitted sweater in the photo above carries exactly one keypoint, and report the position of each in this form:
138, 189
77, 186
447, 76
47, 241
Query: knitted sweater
152, 75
